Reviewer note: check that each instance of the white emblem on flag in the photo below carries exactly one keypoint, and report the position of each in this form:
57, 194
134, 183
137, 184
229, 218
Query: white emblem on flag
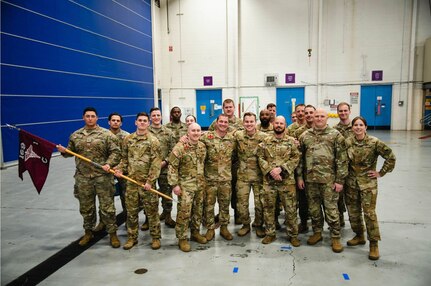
29, 153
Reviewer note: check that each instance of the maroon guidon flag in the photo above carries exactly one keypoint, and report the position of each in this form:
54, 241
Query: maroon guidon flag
34, 156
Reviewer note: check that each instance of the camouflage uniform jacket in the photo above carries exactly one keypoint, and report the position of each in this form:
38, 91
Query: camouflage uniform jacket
290, 130
97, 144
324, 157
298, 132
186, 164
178, 130
269, 130
166, 139
363, 156
141, 157
235, 123
218, 163
121, 134
246, 148
345, 130
274, 152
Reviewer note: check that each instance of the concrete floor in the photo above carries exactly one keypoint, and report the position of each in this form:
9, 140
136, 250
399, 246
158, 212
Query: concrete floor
35, 227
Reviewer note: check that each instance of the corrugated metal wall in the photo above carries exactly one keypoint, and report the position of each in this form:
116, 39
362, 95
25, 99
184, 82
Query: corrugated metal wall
58, 57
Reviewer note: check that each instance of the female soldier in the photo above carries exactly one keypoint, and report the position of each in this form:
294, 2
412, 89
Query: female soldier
190, 119
361, 183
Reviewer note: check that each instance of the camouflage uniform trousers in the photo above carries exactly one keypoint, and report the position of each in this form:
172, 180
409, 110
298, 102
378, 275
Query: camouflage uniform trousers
86, 190
322, 195
243, 196
287, 194
190, 208
165, 189
358, 200
221, 192
135, 196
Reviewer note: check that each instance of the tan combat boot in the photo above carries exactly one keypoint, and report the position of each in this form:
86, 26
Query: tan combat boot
130, 243
169, 221
245, 229
184, 245
155, 244
260, 232
269, 239
358, 239
224, 232
315, 238
336, 245
88, 235
115, 242
146, 225
210, 234
374, 251
101, 226
295, 242
196, 236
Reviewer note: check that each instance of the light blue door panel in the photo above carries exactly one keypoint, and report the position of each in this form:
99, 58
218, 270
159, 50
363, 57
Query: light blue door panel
286, 99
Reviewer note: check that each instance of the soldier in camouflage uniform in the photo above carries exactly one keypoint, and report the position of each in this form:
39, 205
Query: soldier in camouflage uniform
293, 117
235, 123
186, 176
361, 183
300, 120
167, 142
301, 193
265, 124
323, 168
100, 146
220, 146
345, 128
178, 128
115, 120
249, 175
141, 159
272, 108
278, 158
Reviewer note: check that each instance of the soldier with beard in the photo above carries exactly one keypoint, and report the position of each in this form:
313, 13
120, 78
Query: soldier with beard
278, 158
265, 124
178, 128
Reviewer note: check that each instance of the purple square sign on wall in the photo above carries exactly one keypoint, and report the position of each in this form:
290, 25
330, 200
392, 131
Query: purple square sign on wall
290, 78
208, 80
376, 75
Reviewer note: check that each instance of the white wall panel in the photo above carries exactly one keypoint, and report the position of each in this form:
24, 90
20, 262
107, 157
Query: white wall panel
238, 42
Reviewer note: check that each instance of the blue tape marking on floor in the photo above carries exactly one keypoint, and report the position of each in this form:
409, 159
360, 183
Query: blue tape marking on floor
235, 270
346, 276
286, 247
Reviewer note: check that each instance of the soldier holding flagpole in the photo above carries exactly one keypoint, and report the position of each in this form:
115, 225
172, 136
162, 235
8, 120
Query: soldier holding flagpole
100, 146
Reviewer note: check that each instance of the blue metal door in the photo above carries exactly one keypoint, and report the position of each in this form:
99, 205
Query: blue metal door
287, 99
208, 106
376, 102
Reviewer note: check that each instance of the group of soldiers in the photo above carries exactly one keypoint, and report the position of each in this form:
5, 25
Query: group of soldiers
306, 166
